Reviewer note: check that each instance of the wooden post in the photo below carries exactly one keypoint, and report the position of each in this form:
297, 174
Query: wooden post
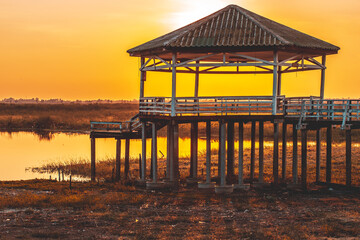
93, 170
154, 148
252, 153
176, 152
173, 85
328, 154
219, 151
318, 151
143, 151
127, 158
348, 156
196, 93
222, 146
142, 79
261, 152
117, 160
279, 82
295, 158
322, 85
276, 154
275, 76
168, 152
304, 157
241, 153
208, 151
194, 150
230, 150
283, 159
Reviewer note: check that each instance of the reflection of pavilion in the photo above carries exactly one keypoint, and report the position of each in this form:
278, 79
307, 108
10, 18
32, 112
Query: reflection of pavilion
232, 41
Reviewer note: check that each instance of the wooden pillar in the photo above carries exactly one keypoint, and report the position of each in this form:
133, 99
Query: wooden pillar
223, 153
174, 152
154, 152
295, 158
348, 156
275, 81
173, 85
261, 152
117, 160
303, 157
230, 150
283, 159
196, 93
252, 151
142, 79
219, 152
93, 170
208, 152
143, 151
318, 151
194, 150
322, 85
328, 153
127, 158
241, 153
279, 82
276, 154
168, 152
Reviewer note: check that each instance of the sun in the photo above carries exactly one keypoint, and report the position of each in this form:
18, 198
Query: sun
192, 10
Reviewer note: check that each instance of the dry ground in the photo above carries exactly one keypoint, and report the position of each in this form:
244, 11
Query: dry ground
45, 209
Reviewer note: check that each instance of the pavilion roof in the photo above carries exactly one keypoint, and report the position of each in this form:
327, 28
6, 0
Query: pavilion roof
236, 29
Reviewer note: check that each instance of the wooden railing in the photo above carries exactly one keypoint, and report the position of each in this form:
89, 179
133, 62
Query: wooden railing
249, 105
133, 125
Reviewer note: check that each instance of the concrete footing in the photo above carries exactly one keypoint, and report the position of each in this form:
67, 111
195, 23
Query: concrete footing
204, 185
191, 181
140, 183
225, 189
261, 185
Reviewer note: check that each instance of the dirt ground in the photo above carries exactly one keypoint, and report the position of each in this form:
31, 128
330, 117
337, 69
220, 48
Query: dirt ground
108, 212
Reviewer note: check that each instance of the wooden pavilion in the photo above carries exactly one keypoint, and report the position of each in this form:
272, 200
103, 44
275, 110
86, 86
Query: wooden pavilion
230, 41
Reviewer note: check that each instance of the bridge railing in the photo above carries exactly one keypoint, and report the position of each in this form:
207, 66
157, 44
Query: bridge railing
133, 124
247, 105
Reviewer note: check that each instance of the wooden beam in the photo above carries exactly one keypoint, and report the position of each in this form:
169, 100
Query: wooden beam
318, 152
117, 160
283, 159
143, 151
173, 86
304, 158
230, 150
127, 158
328, 153
93, 166
252, 151
322, 84
142, 79
194, 150
241, 153
276, 154
348, 157
223, 153
154, 152
196, 94
275, 76
295, 158
261, 151
279, 82
208, 151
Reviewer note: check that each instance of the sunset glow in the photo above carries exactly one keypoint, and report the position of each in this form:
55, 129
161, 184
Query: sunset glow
77, 49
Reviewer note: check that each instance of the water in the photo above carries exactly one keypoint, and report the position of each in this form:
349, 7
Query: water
22, 150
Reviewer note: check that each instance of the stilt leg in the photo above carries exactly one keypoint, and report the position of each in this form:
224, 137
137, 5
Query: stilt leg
194, 151
230, 150
318, 151
252, 154
154, 148
117, 160
208, 152
93, 171
328, 154
283, 159
143, 150
127, 158
261, 152
276, 154
304, 158
348, 157
295, 157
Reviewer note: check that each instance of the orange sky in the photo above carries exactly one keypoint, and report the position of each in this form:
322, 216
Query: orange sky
77, 49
